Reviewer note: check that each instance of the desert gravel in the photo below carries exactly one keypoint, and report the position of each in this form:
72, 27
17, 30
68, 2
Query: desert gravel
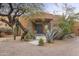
10, 47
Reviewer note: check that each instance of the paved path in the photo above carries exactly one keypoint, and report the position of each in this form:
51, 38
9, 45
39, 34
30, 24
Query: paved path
67, 47
36, 42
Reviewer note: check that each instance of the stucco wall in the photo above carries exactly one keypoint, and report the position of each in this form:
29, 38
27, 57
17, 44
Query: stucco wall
2, 24
26, 23
76, 28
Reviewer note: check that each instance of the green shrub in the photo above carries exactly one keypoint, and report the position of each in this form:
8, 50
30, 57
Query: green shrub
41, 42
7, 31
49, 41
66, 25
29, 36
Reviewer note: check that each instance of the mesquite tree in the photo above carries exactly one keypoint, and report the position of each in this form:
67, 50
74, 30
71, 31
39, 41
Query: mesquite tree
14, 10
67, 20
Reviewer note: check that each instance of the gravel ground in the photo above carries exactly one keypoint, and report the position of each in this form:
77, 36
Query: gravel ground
69, 47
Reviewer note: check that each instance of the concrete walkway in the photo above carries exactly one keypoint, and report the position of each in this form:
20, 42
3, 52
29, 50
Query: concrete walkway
36, 41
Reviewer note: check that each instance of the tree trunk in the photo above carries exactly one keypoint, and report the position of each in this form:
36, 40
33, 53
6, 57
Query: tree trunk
24, 29
14, 34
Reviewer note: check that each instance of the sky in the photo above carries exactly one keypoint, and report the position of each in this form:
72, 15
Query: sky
50, 7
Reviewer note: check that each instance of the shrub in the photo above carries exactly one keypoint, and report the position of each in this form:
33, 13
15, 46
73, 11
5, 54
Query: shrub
66, 25
48, 41
29, 36
41, 42
6, 31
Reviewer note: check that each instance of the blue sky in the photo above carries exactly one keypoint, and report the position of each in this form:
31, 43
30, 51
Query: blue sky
49, 7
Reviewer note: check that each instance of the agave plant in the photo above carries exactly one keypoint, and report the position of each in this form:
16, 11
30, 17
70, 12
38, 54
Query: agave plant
51, 35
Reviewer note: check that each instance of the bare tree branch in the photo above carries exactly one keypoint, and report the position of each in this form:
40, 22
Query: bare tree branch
0, 5
11, 8
3, 14
16, 10
21, 13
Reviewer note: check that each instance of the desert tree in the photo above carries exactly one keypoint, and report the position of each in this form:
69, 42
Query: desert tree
14, 10
67, 19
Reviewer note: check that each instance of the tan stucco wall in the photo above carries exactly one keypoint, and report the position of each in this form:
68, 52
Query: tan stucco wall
2, 24
26, 23
76, 28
